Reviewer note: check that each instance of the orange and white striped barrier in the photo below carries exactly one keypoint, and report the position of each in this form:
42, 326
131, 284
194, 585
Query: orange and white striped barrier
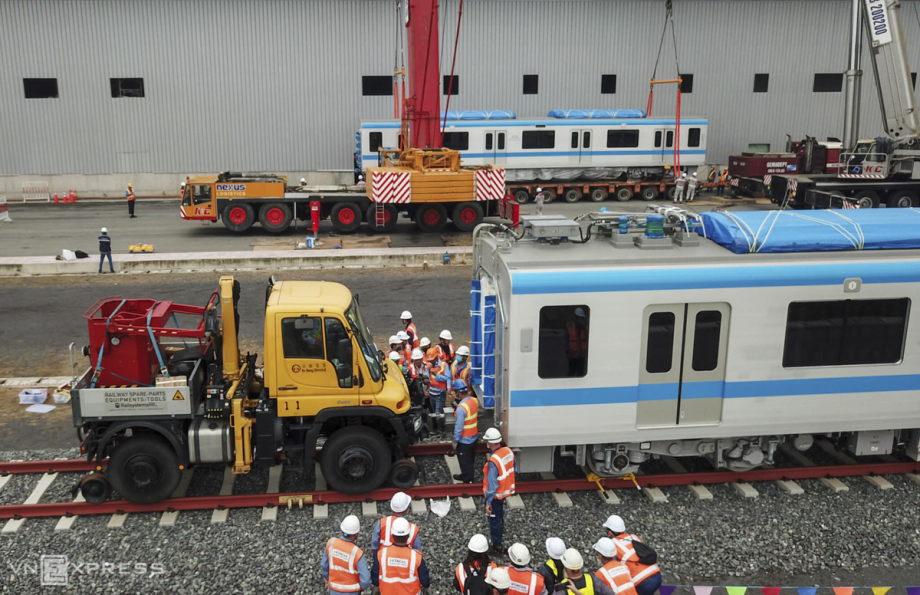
4, 210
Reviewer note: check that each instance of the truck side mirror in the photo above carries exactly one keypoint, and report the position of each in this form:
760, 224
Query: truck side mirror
343, 353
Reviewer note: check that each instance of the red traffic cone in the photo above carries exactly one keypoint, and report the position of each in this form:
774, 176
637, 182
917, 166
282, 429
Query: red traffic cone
55, 198
71, 198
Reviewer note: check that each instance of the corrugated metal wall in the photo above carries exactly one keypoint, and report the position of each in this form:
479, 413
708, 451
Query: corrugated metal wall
276, 84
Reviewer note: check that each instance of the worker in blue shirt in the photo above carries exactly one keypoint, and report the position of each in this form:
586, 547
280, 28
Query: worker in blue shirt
105, 249
348, 572
466, 429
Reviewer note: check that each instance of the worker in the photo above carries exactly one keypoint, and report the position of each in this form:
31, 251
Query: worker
523, 579
182, 190
461, 369
105, 249
538, 201
679, 188
646, 577
552, 570
497, 484
438, 377
400, 569
418, 377
711, 178
499, 582
445, 347
361, 181
395, 345
383, 529
470, 575
396, 358
129, 194
576, 349
343, 565
303, 183
424, 344
692, 184
466, 429
406, 318
612, 572
405, 347
576, 580
723, 181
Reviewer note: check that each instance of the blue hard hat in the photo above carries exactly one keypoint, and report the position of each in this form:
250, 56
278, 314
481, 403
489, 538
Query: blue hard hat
460, 384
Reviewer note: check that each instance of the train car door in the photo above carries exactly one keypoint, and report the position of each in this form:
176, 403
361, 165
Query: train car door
496, 147
664, 145
682, 365
580, 145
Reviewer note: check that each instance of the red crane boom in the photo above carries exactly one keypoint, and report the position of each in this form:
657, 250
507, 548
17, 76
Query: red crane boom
423, 106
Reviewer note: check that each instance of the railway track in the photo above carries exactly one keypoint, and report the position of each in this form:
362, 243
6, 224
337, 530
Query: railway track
273, 499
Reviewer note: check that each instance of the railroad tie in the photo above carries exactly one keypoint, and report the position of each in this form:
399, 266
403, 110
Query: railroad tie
169, 518
562, 499
65, 523
746, 489
270, 513
44, 483
418, 506
699, 492
320, 511
453, 465
226, 489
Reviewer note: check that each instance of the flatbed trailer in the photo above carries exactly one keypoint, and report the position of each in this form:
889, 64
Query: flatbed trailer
594, 190
828, 191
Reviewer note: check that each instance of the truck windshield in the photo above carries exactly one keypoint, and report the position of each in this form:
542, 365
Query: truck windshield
365, 341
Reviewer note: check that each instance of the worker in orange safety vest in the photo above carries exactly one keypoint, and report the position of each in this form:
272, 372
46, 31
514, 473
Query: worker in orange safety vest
410, 329
445, 347
612, 572
469, 576
462, 369
523, 580
723, 181
343, 565
399, 568
129, 194
466, 430
383, 529
646, 577
497, 484
439, 376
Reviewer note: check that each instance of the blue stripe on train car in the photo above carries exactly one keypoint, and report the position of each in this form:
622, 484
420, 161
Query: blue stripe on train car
499, 124
538, 154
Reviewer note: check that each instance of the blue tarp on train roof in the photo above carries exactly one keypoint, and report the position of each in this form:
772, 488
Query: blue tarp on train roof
813, 231
477, 115
595, 114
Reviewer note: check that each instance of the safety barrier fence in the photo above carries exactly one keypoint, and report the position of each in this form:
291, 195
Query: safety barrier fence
36, 192
4, 210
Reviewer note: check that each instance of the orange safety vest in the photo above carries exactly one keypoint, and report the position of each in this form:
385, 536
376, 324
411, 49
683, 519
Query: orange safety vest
413, 371
578, 340
343, 557
461, 574
434, 371
626, 553
526, 582
446, 356
386, 526
615, 574
503, 459
131, 195
413, 334
462, 372
399, 566
470, 408
722, 177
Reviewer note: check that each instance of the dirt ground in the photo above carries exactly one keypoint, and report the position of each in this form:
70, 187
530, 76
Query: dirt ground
22, 430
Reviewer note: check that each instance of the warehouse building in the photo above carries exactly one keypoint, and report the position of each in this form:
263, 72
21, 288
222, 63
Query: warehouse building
99, 92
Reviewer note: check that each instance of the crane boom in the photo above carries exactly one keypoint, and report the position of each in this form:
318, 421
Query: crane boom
423, 107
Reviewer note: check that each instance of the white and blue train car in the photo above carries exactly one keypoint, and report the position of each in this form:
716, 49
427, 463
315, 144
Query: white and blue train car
775, 326
576, 144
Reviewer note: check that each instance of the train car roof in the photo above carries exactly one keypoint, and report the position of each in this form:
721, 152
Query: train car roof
544, 121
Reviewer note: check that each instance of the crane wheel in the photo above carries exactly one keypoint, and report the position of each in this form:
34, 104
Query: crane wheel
431, 217
144, 469
467, 215
902, 199
238, 216
355, 460
346, 217
390, 217
867, 199
275, 217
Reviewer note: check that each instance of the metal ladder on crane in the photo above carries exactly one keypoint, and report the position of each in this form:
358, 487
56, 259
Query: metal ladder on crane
380, 214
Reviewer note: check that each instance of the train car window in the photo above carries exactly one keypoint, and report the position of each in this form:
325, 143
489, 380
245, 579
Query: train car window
706, 332
488, 141
375, 140
538, 139
658, 138
501, 141
563, 348
670, 138
586, 140
458, 141
845, 332
693, 137
574, 140
660, 342
622, 138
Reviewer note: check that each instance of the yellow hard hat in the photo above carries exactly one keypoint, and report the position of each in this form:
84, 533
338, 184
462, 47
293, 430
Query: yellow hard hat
129, 185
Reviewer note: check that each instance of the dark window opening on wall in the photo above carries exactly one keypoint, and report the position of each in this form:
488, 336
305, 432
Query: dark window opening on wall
375, 140
40, 88
531, 84
913, 80
686, 83
761, 83
452, 87
828, 82
563, 347
608, 84
376, 85
127, 87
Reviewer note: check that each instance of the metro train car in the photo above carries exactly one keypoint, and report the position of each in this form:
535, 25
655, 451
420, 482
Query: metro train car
621, 338
565, 145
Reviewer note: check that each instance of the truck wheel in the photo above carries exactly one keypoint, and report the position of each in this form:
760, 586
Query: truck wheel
624, 194
275, 217
467, 215
649, 193
672, 192
598, 195
902, 199
238, 216
548, 196
390, 217
355, 460
521, 196
346, 217
867, 199
431, 217
404, 474
143, 469
572, 195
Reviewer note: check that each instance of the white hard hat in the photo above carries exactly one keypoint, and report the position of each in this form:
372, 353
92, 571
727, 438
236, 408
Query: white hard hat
572, 559
400, 502
402, 336
498, 577
683, 175
425, 341
405, 315
393, 339
183, 185
463, 350
394, 356
445, 334
351, 525
303, 181
606, 547
492, 435
417, 354
400, 526
479, 544
615, 524
104, 230
694, 174
519, 554
580, 312
555, 547
539, 189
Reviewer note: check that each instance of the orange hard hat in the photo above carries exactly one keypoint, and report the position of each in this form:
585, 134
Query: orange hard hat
431, 354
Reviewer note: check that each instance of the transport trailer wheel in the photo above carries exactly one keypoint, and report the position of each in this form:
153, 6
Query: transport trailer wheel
143, 469
902, 199
598, 195
390, 217
238, 216
275, 217
672, 192
867, 199
521, 196
95, 487
355, 460
572, 195
649, 193
467, 215
404, 474
346, 217
431, 217
624, 194
548, 196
